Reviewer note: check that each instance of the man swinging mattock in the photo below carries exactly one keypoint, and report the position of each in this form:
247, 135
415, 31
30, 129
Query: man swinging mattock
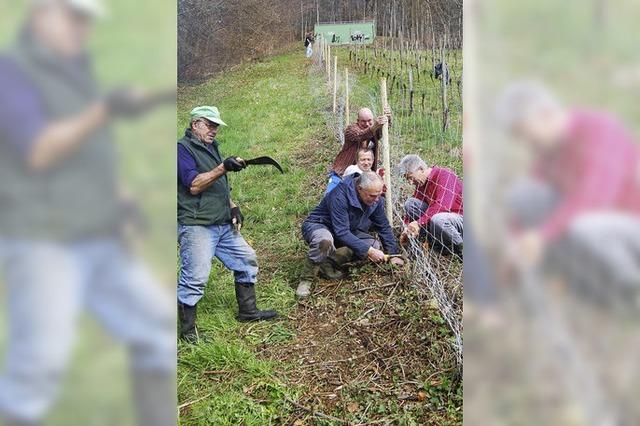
209, 223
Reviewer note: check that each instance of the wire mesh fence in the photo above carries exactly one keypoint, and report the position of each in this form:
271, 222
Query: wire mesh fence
435, 268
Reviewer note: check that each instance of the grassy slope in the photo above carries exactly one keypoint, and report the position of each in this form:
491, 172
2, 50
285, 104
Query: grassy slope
270, 110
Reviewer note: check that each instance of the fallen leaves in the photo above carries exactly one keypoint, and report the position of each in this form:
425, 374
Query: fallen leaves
352, 407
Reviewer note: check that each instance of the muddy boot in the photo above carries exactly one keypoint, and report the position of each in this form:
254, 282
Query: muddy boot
334, 267
187, 317
326, 247
247, 310
309, 275
341, 257
329, 271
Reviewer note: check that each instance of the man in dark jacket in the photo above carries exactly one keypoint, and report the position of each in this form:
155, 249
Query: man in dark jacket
209, 223
344, 219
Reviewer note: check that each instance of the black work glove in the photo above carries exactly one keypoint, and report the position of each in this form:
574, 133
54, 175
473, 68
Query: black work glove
237, 218
127, 102
232, 164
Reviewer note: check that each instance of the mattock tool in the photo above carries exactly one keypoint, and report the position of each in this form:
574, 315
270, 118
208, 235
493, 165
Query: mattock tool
262, 161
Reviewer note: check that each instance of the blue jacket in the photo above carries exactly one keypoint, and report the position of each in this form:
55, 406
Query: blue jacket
345, 216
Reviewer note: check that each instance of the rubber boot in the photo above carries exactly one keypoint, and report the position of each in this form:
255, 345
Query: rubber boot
309, 274
334, 268
155, 398
329, 271
341, 257
247, 310
187, 316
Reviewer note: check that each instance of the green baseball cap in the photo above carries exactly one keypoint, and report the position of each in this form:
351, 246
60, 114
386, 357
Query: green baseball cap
211, 113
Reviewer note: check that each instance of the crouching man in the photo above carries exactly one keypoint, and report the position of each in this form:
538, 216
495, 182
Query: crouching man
435, 211
344, 219
209, 223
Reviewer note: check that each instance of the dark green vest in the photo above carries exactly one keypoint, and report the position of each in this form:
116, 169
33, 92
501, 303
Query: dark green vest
211, 206
77, 197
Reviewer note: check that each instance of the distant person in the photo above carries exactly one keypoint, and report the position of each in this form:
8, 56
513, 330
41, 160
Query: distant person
441, 72
364, 133
338, 230
435, 211
209, 223
308, 44
581, 198
61, 223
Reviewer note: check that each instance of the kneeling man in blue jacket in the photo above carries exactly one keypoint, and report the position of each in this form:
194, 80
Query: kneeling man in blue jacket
338, 230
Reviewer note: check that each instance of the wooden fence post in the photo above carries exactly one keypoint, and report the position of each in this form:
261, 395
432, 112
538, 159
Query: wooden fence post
386, 158
346, 97
328, 62
335, 83
444, 84
410, 91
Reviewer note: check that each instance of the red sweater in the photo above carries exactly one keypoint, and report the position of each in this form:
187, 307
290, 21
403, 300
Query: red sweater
442, 191
596, 168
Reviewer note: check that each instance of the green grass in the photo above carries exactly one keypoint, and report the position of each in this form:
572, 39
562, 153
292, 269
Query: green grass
229, 378
268, 112
420, 132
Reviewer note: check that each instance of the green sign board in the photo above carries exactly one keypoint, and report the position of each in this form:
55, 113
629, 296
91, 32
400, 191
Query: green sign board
361, 32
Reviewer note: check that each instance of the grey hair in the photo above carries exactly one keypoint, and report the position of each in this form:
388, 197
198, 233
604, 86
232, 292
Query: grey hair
410, 163
521, 100
195, 120
368, 180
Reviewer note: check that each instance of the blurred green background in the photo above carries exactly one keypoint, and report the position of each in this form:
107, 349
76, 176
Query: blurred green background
135, 44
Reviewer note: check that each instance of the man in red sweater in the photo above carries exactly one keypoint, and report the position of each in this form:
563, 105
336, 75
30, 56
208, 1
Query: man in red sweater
436, 208
583, 192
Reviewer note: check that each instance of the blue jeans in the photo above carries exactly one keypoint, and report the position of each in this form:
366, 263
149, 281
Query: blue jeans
334, 180
445, 230
314, 233
199, 245
49, 285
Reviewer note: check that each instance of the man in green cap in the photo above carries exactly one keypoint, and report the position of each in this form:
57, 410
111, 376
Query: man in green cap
209, 223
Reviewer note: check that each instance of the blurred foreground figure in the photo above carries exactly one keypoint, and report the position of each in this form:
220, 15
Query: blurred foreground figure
61, 222
578, 210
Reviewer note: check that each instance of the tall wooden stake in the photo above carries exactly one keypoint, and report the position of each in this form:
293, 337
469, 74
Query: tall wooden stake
386, 158
444, 84
335, 83
410, 91
346, 97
